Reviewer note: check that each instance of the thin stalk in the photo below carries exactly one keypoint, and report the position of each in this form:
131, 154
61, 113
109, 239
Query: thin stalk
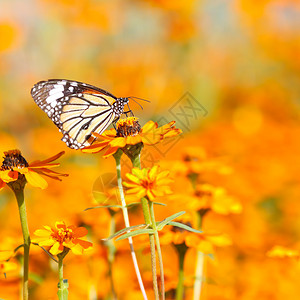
199, 263
19, 193
111, 256
198, 275
159, 254
127, 224
181, 249
136, 162
60, 271
63, 283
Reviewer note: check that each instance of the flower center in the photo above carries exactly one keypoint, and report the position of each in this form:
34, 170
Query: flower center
13, 159
128, 127
62, 234
147, 184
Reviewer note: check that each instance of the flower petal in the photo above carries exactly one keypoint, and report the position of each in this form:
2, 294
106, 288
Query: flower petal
36, 180
2, 184
47, 161
80, 232
56, 249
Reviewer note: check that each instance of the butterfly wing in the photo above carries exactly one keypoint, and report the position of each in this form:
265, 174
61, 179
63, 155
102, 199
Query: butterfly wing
76, 108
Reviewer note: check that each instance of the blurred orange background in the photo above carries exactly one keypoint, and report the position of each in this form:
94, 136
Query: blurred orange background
226, 71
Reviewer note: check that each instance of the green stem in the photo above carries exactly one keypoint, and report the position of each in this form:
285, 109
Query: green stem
63, 283
181, 249
117, 157
136, 162
19, 193
159, 254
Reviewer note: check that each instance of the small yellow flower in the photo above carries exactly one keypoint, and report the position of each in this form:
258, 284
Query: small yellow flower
283, 252
62, 237
5, 265
215, 198
129, 132
14, 166
148, 182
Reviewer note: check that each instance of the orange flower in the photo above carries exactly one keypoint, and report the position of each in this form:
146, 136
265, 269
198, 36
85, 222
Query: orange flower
148, 182
14, 166
214, 198
62, 237
204, 242
129, 132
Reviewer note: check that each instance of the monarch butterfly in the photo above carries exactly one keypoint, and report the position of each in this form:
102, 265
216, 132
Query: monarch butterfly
77, 108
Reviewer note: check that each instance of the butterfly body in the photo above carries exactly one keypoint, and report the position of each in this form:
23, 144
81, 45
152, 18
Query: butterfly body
77, 108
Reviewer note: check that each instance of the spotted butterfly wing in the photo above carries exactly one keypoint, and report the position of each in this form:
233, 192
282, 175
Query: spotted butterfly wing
77, 108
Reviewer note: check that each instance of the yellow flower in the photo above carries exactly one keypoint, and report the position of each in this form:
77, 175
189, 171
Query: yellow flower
148, 182
204, 242
129, 132
215, 198
283, 252
5, 265
62, 237
14, 166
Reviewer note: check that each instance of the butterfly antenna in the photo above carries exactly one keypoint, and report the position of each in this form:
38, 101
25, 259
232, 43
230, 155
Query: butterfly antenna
139, 98
136, 102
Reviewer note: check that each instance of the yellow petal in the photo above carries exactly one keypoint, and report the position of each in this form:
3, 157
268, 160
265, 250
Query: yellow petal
36, 180
55, 249
78, 250
118, 142
149, 126
42, 232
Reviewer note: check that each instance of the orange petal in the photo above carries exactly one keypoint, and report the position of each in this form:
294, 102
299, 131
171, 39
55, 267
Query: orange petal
2, 184
97, 147
48, 160
80, 232
36, 180
110, 152
84, 244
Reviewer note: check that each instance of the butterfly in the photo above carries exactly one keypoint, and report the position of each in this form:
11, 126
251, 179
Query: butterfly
78, 109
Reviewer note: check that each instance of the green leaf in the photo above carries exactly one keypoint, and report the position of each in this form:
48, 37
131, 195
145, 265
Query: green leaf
158, 203
183, 226
135, 233
163, 223
124, 230
103, 206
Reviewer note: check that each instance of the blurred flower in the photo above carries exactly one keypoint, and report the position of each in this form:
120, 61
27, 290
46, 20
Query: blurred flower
14, 167
62, 237
129, 132
204, 242
209, 197
148, 182
5, 265
283, 252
